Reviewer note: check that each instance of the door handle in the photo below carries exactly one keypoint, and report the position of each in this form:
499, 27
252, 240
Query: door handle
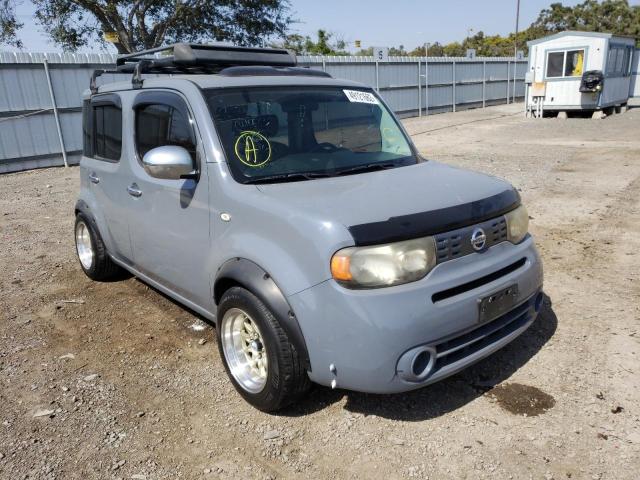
133, 190
93, 178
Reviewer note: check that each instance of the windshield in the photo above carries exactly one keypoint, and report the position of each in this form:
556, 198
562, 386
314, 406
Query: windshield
276, 134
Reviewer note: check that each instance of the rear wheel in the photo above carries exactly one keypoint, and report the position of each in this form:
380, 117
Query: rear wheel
92, 253
261, 362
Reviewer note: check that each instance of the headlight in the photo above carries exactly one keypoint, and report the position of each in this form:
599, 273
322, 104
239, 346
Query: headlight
384, 265
517, 224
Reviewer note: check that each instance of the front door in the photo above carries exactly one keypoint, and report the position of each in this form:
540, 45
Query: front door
169, 221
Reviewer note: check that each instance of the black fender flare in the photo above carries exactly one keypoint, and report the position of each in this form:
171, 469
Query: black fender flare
249, 275
82, 207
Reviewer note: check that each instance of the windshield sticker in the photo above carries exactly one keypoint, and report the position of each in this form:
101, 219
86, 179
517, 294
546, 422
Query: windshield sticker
389, 135
252, 148
361, 97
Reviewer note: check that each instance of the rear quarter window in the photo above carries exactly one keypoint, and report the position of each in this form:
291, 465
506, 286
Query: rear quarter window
101, 130
108, 132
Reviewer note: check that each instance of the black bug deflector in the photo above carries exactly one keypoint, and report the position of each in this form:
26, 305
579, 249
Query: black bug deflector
423, 224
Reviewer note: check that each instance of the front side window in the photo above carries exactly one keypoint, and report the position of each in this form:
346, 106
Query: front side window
297, 133
568, 63
158, 125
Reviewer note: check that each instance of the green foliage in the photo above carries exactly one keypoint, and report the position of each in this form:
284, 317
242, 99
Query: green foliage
9, 24
150, 23
609, 16
365, 52
142, 24
304, 45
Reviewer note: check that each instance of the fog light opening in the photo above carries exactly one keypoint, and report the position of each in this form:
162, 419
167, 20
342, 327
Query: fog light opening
421, 363
538, 303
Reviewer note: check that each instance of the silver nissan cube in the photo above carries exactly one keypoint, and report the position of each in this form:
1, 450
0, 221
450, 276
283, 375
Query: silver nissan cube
292, 210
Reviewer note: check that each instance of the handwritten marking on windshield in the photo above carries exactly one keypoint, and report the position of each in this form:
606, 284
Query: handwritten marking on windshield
252, 148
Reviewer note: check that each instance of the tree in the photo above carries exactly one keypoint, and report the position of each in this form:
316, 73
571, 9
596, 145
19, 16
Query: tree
325, 44
9, 24
609, 16
140, 24
365, 52
397, 52
435, 50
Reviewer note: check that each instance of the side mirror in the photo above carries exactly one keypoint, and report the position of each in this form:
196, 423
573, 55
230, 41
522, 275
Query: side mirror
169, 162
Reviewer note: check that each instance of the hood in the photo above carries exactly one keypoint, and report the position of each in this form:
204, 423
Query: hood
399, 203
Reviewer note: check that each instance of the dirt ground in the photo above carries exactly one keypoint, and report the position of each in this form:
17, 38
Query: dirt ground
113, 380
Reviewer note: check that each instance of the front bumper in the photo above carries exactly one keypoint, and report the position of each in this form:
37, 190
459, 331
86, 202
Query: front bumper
364, 334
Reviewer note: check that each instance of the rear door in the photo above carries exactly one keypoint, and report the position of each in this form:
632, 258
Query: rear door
169, 220
105, 172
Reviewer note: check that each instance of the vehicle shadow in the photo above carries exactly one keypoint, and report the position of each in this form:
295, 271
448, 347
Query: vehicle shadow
447, 395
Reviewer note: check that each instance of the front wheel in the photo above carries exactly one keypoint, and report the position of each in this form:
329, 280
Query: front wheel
263, 365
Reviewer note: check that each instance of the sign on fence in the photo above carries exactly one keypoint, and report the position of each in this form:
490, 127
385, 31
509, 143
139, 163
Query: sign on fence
381, 54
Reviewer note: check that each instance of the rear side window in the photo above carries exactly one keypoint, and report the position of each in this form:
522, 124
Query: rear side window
158, 125
108, 132
102, 128
87, 129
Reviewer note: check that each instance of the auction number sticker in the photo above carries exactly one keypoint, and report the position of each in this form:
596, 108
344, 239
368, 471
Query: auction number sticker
358, 96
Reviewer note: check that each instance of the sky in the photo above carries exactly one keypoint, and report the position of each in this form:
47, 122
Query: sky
379, 23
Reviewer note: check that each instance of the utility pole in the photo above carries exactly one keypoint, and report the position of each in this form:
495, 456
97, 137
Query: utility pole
515, 39
515, 51
426, 78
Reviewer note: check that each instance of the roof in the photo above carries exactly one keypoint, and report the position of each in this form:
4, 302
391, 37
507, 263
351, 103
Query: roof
576, 33
221, 81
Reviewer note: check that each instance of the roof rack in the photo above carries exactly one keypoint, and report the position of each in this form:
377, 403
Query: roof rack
192, 58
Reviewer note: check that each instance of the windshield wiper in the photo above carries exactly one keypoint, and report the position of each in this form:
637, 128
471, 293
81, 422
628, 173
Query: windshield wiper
368, 167
286, 177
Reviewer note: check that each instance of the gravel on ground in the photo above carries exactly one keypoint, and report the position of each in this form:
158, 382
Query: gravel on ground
113, 380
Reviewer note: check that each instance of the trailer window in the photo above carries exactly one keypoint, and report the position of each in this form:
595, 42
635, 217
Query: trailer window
567, 63
574, 63
619, 61
555, 61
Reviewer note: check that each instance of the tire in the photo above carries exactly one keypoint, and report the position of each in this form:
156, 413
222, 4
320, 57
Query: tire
286, 379
92, 253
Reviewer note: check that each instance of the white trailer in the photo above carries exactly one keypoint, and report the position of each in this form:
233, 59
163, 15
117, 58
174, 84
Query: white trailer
587, 71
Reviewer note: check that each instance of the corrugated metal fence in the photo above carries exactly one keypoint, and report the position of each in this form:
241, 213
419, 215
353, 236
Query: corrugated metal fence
35, 86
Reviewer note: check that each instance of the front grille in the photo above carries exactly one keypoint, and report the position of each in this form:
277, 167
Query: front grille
457, 243
456, 349
478, 282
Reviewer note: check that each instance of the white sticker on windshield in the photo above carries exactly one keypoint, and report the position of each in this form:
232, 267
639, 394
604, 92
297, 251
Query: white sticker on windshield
360, 97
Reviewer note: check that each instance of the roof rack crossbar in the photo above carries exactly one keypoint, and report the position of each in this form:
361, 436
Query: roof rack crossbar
93, 86
191, 58
192, 54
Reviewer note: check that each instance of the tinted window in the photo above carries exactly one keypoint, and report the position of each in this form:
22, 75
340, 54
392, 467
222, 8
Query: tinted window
107, 131
87, 129
158, 125
620, 61
555, 61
